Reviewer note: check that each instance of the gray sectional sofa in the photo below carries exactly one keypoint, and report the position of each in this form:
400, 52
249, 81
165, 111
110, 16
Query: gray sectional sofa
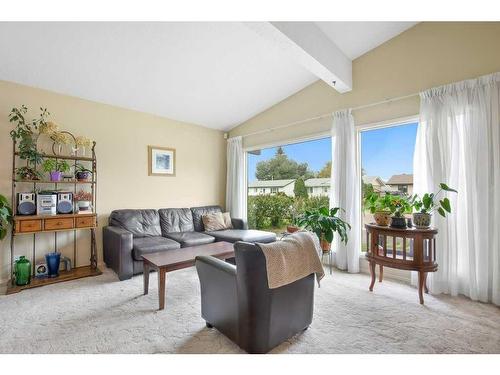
133, 233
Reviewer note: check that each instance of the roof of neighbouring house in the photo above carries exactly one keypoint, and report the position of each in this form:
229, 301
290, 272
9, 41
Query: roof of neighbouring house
269, 183
322, 182
373, 180
401, 179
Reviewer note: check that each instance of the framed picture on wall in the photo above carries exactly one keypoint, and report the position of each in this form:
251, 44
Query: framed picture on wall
161, 161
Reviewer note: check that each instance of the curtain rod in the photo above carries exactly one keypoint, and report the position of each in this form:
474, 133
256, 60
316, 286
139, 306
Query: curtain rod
329, 114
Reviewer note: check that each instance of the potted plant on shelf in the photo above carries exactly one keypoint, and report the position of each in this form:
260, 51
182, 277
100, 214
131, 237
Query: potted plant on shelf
26, 135
82, 173
5, 216
426, 205
324, 222
379, 206
83, 200
399, 206
55, 168
28, 173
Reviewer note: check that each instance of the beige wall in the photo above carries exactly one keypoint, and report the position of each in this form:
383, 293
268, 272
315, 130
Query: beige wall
122, 138
427, 55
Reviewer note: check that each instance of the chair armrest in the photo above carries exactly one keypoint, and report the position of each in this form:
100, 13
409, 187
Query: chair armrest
219, 302
117, 250
239, 223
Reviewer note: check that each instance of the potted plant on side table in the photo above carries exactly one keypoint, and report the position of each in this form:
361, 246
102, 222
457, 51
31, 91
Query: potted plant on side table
55, 168
426, 205
379, 207
399, 206
324, 222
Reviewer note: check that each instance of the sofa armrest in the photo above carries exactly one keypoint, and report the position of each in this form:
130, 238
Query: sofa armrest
117, 250
239, 223
219, 302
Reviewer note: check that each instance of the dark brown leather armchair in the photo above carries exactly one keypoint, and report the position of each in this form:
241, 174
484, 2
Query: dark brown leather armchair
238, 302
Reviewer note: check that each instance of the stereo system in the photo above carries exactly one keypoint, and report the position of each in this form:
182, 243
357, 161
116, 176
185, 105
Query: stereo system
26, 204
45, 203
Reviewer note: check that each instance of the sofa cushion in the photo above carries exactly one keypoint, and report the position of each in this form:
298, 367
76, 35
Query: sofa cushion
175, 220
141, 223
187, 239
248, 235
147, 245
198, 212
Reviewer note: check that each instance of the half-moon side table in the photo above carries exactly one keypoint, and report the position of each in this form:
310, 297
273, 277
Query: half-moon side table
409, 249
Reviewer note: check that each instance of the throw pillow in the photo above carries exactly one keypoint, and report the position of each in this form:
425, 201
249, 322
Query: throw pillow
213, 222
227, 220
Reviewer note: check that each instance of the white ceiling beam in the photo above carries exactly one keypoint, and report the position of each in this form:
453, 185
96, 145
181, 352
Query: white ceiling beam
308, 45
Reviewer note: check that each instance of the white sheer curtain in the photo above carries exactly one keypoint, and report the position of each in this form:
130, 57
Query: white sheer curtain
458, 142
344, 191
235, 183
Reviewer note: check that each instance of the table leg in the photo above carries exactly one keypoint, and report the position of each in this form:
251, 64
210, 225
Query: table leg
381, 273
145, 267
330, 260
162, 276
425, 284
421, 282
372, 272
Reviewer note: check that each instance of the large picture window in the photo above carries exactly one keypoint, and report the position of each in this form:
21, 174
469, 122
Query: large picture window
387, 163
284, 181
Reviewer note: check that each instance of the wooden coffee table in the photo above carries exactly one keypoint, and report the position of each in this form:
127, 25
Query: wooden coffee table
172, 260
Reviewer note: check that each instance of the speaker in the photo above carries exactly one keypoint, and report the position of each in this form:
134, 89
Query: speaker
26, 204
64, 203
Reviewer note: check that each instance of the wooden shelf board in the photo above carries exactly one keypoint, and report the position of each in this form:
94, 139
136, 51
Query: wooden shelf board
54, 182
58, 216
75, 273
65, 157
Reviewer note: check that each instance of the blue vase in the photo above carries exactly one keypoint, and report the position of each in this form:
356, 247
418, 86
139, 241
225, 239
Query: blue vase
53, 261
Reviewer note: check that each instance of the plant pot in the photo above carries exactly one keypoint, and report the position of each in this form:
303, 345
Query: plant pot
55, 176
421, 220
398, 222
325, 245
382, 218
82, 176
292, 228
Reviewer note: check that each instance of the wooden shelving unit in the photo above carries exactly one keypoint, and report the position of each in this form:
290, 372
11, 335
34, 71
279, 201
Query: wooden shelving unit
35, 224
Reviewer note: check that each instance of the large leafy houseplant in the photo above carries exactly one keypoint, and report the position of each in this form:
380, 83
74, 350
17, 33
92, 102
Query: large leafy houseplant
428, 204
5, 216
324, 222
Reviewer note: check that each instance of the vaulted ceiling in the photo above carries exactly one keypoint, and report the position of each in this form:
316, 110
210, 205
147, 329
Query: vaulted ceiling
215, 74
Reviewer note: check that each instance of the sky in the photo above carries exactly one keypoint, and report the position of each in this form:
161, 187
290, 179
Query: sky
384, 152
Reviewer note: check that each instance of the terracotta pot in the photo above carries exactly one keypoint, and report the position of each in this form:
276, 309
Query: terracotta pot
382, 218
421, 220
292, 228
325, 245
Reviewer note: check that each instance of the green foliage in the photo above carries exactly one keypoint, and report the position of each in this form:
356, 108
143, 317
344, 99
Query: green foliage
399, 205
52, 165
367, 189
81, 168
326, 171
5, 216
427, 204
325, 222
267, 210
377, 203
299, 189
28, 173
280, 167
25, 133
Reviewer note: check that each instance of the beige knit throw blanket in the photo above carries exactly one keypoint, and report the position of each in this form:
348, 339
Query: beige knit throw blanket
291, 259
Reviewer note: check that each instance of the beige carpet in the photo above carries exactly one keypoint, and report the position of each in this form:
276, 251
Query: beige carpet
104, 315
